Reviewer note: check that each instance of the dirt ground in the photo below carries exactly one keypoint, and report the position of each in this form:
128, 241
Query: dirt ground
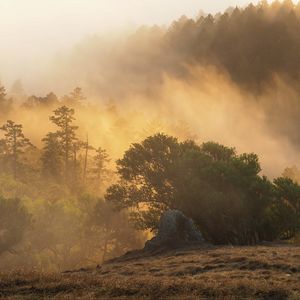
262, 272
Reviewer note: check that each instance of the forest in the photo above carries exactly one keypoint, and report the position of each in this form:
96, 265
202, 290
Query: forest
64, 204
189, 117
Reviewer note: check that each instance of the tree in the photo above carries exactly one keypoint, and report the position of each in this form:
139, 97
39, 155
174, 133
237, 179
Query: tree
75, 98
50, 100
286, 207
100, 161
145, 171
63, 118
292, 173
14, 221
15, 142
5, 104
113, 229
52, 157
220, 190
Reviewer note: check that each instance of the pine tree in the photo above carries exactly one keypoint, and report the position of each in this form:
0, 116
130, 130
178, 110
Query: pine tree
75, 97
52, 157
63, 118
100, 160
14, 143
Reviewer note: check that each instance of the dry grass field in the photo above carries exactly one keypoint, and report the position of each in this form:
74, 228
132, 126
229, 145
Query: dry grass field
262, 272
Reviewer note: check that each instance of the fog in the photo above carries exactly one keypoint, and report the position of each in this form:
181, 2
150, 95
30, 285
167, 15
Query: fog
129, 70
151, 70
33, 32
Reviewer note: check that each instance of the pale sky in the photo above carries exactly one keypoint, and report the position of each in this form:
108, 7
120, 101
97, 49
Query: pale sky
32, 30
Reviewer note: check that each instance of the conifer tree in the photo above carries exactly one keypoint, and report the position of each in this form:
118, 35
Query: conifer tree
14, 143
63, 118
52, 156
100, 160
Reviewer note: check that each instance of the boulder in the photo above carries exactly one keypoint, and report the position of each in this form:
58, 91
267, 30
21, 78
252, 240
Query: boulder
175, 230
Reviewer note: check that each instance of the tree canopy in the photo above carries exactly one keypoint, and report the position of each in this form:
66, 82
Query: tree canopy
222, 191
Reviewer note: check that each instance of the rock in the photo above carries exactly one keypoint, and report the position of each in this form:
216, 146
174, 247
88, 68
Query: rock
175, 230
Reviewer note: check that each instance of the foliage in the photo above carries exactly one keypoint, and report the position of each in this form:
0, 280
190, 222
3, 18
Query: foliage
113, 229
62, 184
286, 208
64, 231
50, 100
13, 144
14, 221
222, 191
66, 134
52, 157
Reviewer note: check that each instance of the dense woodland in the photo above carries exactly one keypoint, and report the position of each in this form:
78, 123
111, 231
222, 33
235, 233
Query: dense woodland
57, 214
254, 46
64, 200
250, 44
52, 211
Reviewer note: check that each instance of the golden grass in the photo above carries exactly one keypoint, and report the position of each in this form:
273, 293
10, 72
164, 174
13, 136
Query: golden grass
211, 272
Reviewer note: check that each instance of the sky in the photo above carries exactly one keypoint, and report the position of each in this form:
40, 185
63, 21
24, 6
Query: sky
33, 30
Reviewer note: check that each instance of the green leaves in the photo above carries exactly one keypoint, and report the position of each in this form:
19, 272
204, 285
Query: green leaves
221, 190
286, 207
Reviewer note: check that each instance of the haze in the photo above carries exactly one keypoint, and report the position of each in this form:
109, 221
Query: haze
94, 111
32, 31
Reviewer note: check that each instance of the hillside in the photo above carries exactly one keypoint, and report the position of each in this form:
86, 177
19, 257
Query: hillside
262, 272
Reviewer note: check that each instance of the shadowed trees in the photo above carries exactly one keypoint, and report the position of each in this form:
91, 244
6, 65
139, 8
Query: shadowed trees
222, 191
52, 157
116, 234
14, 221
287, 207
50, 100
51, 183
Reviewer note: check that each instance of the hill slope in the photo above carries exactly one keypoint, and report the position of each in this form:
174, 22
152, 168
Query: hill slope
211, 272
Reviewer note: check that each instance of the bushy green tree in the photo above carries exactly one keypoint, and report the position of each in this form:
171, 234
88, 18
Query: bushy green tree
286, 208
146, 172
221, 190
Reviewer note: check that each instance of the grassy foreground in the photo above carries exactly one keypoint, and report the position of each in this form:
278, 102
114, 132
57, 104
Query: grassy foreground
263, 272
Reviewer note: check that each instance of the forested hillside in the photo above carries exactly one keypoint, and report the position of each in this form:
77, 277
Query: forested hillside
191, 117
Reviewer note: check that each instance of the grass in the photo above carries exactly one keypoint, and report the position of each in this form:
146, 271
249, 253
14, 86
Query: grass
261, 272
